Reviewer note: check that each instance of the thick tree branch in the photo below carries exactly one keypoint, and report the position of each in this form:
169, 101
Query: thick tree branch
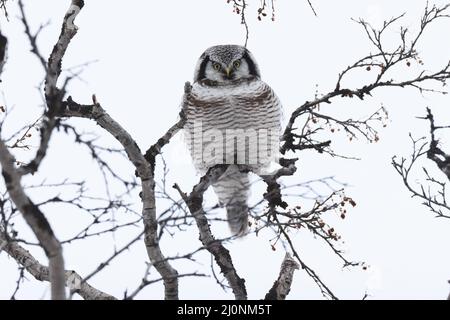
280, 215
42, 273
282, 286
53, 94
3, 51
54, 64
273, 194
36, 220
12, 175
435, 153
144, 171
222, 256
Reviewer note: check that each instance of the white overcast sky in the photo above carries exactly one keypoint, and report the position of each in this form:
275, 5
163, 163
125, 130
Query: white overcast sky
146, 50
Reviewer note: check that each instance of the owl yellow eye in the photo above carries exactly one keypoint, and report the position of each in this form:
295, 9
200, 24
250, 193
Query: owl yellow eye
237, 64
216, 66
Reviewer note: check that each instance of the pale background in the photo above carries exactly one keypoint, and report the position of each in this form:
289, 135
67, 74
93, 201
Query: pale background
146, 50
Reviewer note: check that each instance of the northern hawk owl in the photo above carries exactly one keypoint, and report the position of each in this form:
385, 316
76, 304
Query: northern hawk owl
233, 118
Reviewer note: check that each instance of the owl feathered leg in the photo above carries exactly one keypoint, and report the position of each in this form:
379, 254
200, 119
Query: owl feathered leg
232, 189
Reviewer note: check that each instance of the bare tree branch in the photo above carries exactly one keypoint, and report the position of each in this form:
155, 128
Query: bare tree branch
435, 201
274, 211
433, 192
240, 7
383, 60
53, 94
3, 7
155, 149
12, 175
145, 173
312, 7
42, 273
145, 283
3, 51
36, 220
282, 286
435, 153
194, 201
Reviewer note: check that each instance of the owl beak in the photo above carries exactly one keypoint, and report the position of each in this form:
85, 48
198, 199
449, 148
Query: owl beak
228, 71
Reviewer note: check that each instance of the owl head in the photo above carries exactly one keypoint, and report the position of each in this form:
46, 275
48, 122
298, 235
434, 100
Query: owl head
225, 64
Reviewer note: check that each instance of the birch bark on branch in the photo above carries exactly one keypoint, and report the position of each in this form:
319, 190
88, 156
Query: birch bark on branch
282, 286
194, 201
280, 216
145, 172
53, 95
222, 256
37, 222
42, 273
12, 175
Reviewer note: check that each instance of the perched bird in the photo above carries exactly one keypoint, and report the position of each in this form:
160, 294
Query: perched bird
233, 118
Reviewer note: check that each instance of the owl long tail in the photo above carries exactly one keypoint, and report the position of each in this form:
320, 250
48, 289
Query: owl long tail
232, 189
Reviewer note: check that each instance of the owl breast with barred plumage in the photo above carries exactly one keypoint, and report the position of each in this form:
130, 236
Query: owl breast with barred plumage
233, 118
